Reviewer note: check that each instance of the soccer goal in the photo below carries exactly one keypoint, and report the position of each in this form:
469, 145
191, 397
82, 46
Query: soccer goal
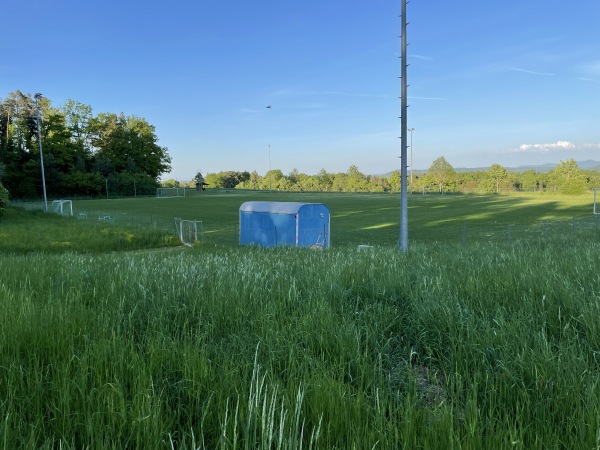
62, 207
170, 192
189, 231
596, 199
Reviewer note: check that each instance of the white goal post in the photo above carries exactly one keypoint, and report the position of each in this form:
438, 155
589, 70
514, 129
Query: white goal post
62, 207
189, 231
170, 192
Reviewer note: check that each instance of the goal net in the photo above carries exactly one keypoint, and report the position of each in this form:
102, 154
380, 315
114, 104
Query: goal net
170, 192
62, 207
189, 231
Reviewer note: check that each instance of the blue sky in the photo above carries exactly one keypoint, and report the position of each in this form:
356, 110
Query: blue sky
512, 82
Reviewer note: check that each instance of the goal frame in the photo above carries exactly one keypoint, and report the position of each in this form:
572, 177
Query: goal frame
188, 231
62, 207
178, 191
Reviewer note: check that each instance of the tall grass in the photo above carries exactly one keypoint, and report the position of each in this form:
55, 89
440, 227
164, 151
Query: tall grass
23, 231
487, 346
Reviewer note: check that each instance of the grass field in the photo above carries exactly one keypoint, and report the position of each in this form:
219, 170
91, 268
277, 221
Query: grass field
371, 219
107, 343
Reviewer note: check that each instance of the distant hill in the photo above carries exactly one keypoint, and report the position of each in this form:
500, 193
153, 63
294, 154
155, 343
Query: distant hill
584, 165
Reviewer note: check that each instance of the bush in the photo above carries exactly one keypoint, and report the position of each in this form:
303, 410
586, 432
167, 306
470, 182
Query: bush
3, 199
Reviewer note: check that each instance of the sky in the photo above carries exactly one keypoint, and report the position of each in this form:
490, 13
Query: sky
514, 82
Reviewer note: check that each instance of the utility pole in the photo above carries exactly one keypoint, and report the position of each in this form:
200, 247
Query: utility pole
37, 97
270, 174
411, 160
403, 116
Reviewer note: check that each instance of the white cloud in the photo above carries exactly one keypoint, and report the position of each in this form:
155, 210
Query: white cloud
531, 72
420, 57
594, 146
546, 148
426, 98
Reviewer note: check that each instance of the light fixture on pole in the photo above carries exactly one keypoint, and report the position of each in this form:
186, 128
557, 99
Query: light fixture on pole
37, 97
411, 161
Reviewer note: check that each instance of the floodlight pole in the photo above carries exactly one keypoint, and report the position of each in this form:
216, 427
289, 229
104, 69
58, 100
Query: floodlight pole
270, 174
411, 159
37, 97
403, 116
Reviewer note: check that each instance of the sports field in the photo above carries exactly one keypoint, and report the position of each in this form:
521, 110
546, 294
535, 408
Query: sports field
371, 219
112, 335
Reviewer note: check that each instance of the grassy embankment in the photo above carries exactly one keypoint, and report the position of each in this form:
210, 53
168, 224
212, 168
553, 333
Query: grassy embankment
449, 346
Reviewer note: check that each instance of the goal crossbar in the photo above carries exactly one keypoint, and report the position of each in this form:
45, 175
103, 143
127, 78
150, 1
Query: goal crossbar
62, 207
170, 192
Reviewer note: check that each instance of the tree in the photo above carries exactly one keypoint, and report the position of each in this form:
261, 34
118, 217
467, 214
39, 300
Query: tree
325, 180
170, 183
529, 180
394, 181
3, 200
131, 144
568, 178
442, 172
497, 173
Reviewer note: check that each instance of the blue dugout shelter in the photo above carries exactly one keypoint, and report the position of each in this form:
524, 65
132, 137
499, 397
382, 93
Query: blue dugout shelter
269, 224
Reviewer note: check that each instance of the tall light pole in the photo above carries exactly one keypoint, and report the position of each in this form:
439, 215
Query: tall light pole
37, 97
411, 161
270, 168
403, 116
270, 108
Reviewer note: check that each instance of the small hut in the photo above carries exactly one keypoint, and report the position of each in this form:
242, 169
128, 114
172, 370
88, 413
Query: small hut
270, 224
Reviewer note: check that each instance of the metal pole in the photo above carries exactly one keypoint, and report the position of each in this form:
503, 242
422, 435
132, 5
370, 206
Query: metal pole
39, 133
411, 159
270, 168
403, 152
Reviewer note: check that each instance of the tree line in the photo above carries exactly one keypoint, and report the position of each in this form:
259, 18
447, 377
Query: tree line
84, 154
566, 178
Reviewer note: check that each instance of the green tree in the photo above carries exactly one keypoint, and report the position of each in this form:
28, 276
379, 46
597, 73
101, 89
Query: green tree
130, 143
170, 183
394, 181
529, 180
3, 200
325, 180
498, 174
568, 178
442, 172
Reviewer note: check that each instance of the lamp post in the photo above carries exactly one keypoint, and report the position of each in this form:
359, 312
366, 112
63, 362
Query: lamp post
411, 161
403, 242
37, 97
270, 174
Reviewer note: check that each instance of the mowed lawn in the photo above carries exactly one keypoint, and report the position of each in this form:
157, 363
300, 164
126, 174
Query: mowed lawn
371, 219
